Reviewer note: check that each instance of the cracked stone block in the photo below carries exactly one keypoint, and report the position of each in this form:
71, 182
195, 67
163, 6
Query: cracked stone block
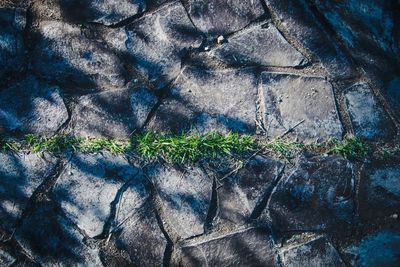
40, 110
208, 101
367, 28
376, 249
314, 253
143, 226
298, 19
20, 175
317, 195
240, 194
93, 187
185, 197
215, 17
122, 111
6, 259
259, 45
51, 240
248, 247
156, 43
66, 54
367, 116
308, 102
380, 191
12, 24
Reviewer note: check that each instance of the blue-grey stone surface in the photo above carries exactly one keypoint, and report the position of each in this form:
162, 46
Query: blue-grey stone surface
65, 54
308, 102
20, 175
316, 195
123, 111
377, 249
50, 239
215, 17
209, 101
90, 184
380, 190
368, 117
260, 45
31, 106
185, 196
156, 43
12, 47
315, 252
248, 247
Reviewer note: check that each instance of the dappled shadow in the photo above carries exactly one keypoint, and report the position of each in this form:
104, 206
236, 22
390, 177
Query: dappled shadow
88, 59
51, 238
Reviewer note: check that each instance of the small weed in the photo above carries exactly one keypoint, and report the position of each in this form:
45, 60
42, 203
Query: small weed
56, 143
282, 147
7, 144
351, 148
95, 145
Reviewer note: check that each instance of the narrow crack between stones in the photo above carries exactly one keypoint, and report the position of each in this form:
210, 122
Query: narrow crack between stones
262, 205
341, 255
40, 194
328, 28
185, 4
169, 248
213, 208
288, 36
155, 205
108, 228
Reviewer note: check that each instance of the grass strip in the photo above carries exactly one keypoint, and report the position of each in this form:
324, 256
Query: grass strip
192, 147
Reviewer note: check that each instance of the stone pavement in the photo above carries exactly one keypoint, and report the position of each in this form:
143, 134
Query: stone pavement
260, 67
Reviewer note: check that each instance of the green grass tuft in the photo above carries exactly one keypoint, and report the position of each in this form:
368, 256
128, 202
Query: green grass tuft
192, 147
282, 147
351, 148
57, 144
7, 144
94, 145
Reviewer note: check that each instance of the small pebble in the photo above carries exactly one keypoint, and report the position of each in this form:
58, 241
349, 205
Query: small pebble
220, 39
206, 48
395, 216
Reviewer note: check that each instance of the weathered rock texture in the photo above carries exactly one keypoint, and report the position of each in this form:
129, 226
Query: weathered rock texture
32, 107
12, 22
307, 70
317, 195
308, 102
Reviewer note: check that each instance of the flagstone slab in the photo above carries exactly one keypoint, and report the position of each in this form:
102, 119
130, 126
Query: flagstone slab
316, 252
20, 175
317, 195
116, 113
215, 17
248, 247
40, 110
185, 197
206, 101
92, 183
65, 53
304, 104
156, 44
368, 117
260, 45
